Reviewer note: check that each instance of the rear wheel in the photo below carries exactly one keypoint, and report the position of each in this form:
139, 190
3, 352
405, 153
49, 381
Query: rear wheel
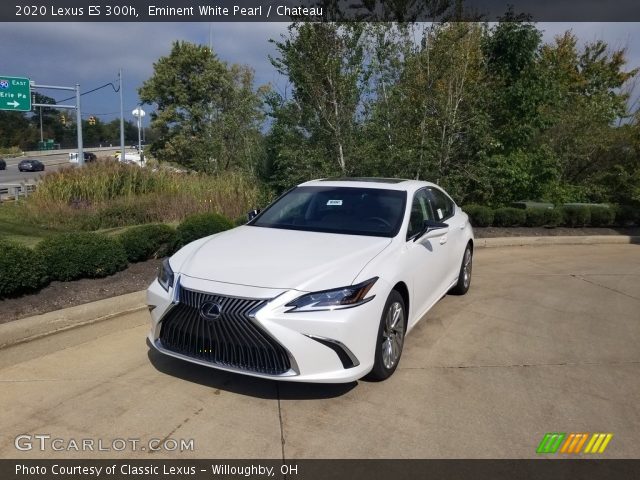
390, 341
464, 277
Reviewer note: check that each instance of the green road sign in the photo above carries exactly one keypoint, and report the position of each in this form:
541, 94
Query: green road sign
15, 94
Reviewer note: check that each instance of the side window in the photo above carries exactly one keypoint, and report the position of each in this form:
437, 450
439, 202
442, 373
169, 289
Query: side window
443, 207
420, 211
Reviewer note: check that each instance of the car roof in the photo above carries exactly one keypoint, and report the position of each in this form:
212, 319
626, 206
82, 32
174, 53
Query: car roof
370, 182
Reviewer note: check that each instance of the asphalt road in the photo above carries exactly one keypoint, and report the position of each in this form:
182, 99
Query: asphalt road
545, 341
52, 161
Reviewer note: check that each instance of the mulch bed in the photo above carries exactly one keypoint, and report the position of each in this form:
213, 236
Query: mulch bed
60, 295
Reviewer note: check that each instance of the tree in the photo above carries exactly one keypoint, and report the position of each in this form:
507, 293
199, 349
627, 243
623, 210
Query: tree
323, 62
208, 116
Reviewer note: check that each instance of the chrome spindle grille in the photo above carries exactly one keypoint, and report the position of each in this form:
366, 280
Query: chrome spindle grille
231, 340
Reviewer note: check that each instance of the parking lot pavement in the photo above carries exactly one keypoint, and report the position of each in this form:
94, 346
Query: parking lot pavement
545, 341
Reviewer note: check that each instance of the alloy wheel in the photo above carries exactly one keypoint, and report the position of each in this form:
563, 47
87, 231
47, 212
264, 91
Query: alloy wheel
466, 268
393, 335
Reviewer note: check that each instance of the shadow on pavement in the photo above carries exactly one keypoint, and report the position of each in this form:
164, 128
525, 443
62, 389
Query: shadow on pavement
244, 385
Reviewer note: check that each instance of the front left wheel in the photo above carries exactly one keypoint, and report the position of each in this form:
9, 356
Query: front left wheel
390, 341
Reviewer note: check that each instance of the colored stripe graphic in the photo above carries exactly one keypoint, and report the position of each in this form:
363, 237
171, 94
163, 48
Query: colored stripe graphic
572, 443
598, 443
550, 442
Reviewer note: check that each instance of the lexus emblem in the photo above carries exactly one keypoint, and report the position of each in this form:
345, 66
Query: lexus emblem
210, 310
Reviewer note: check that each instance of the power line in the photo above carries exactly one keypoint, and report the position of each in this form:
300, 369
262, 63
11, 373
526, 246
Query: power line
91, 91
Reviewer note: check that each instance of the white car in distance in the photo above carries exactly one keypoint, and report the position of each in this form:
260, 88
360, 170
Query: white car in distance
321, 286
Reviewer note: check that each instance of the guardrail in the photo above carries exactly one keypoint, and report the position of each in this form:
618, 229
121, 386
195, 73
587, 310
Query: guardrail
16, 190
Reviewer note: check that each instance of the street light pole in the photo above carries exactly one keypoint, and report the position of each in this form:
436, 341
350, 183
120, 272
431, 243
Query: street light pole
139, 113
122, 154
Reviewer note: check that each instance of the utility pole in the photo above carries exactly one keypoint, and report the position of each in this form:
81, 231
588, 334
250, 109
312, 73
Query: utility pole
122, 153
41, 136
79, 121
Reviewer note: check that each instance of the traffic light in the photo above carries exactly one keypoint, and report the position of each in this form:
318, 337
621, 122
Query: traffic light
92, 120
63, 119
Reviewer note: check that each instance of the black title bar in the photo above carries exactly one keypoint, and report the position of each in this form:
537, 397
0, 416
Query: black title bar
316, 10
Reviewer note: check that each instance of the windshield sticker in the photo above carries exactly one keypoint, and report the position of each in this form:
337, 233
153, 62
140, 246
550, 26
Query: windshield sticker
440, 214
334, 202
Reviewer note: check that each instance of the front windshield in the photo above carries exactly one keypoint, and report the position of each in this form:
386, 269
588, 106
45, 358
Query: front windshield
352, 211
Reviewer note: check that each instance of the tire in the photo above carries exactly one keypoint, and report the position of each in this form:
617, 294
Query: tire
389, 347
464, 277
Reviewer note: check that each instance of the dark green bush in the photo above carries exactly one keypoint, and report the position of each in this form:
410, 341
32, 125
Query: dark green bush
553, 217
82, 255
627, 215
147, 241
509, 217
602, 216
478, 215
242, 220
22, 270
536, 217
201, 225
576, 215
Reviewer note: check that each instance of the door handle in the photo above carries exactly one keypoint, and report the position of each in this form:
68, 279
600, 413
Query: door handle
443, 240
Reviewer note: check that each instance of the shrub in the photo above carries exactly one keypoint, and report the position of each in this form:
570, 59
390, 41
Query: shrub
242, 220
22, 270
147, 241
576, 215
626, 215
201, 225
480, 216
82, 255
509, 217
553, 217
536, 217
602, 216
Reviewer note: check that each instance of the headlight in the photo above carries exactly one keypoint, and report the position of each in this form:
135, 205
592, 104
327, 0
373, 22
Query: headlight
165, 275
345, 297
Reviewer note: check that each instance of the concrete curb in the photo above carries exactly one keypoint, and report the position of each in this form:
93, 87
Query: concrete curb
31, 328
559, 240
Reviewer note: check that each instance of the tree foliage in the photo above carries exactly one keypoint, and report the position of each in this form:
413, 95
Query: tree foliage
207, 114
492, 113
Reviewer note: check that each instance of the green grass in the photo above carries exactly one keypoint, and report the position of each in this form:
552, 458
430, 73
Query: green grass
13, 226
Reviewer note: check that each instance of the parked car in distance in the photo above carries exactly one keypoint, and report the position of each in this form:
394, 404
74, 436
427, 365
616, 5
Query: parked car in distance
321, 286
3, 164
31, 165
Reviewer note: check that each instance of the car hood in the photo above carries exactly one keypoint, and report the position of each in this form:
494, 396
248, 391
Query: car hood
282, 259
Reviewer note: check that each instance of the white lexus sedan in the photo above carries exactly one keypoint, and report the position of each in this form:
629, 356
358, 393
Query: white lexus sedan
321, 286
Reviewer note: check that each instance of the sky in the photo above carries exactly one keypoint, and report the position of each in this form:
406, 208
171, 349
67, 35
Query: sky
91, 53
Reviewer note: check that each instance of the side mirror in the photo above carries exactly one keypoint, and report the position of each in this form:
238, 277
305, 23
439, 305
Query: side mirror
430, 226
252, 214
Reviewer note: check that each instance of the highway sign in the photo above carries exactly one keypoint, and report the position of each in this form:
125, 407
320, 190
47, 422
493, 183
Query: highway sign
15, 94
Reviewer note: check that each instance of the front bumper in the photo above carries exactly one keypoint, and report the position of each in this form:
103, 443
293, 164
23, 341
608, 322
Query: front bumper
326, 346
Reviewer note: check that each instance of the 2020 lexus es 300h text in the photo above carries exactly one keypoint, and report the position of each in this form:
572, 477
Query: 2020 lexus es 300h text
321, 286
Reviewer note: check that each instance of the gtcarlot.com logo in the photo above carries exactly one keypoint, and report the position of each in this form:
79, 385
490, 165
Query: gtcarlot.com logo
573, 443
46, 442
